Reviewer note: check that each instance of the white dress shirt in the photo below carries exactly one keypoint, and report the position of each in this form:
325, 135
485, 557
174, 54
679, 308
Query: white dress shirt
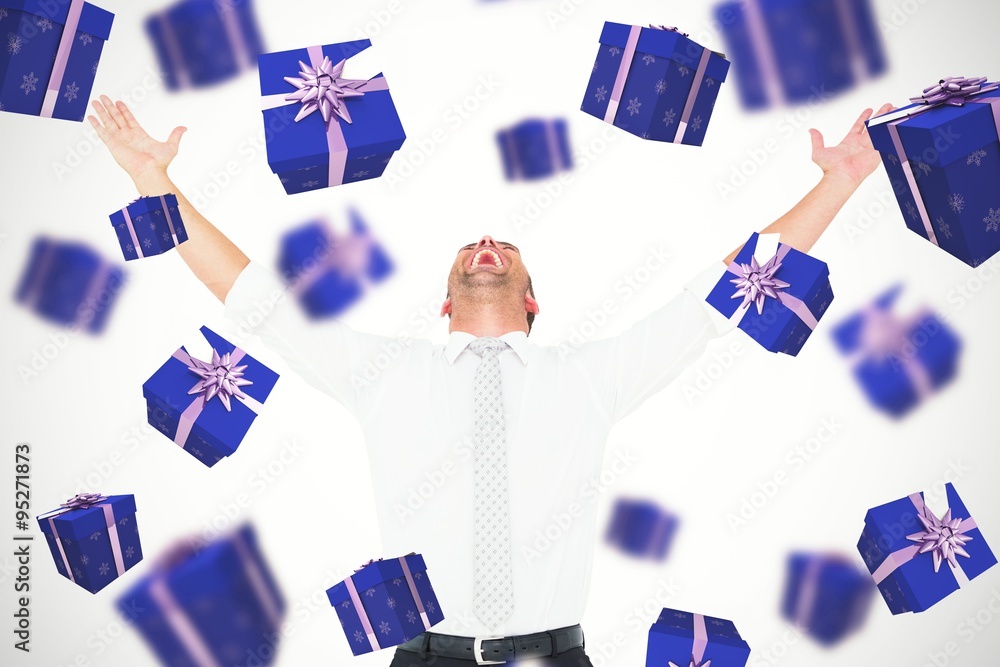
417, 417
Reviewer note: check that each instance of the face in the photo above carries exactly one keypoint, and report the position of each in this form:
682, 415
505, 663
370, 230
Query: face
489, 271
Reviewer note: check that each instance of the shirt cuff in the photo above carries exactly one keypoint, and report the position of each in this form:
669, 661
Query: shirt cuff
254, 295
701, 286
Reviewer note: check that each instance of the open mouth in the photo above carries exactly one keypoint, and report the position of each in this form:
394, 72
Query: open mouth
486, 257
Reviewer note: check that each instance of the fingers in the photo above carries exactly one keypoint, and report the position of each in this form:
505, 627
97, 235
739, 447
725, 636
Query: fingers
859, 124
817, 140
110, 126
885, 108
113, 111
130, 120
175, 137
101, 132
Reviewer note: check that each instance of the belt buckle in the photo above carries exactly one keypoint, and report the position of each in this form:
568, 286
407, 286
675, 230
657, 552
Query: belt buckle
477, 652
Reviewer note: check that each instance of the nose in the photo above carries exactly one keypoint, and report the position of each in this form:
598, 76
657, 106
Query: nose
486, 242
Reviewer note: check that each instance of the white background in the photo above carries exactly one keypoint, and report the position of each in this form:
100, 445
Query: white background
702, 455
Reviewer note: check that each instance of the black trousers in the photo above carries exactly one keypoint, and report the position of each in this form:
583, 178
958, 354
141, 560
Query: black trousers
572, 658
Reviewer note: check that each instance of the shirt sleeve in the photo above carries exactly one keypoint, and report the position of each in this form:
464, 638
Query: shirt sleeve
631, 367
329, 355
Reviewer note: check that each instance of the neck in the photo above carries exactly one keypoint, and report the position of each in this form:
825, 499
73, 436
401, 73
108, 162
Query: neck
485, 320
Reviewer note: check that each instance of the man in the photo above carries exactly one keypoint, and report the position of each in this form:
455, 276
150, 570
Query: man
519, 428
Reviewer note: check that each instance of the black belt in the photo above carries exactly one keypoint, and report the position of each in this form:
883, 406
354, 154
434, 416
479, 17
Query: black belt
497, 651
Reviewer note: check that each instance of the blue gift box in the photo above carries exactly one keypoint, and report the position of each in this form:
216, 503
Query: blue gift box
207, 431
203, 42
329, 272
98, 540
534, 148
827, 595
797, 51
32, 32
953, 154
70, 284
220, 603
299, 152
908, 580
889, 376
153, 226
392, 612
662, 69
776, 327
672, 641
641, 528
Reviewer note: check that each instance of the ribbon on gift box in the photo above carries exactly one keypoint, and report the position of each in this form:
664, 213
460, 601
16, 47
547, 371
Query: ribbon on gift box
177, 619
700, 644
884, 336
626, 66
944, 538
756, 282
360, 608
221, 378
805, 602
232, 28
62, 58
130, 225
552, 143
348, 255
83, 501
321, 88
952, 91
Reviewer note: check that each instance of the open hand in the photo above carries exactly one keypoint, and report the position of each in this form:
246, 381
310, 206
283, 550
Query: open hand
854, 157
134, 150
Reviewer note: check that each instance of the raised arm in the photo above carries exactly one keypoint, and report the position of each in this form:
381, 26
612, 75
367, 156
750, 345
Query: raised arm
214, 259
845, 167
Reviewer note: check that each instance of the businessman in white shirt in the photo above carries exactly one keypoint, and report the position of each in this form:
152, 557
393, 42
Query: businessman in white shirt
523, 425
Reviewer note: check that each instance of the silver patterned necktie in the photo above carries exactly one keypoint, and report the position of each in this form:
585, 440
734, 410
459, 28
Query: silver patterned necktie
493, 597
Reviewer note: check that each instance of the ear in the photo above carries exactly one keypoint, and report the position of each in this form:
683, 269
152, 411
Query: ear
446, 307
530, 305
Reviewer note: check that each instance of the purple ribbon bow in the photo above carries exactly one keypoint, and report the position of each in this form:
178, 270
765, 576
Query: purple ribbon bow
322, 88
358, 569
694, 663
945, 538
83, 501
220, 378
758, 283
668, 28
954, 91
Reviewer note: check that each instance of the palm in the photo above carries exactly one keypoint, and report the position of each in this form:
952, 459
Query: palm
854, 157
135, 151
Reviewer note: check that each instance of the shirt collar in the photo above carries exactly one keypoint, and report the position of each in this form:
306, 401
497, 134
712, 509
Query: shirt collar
459, 340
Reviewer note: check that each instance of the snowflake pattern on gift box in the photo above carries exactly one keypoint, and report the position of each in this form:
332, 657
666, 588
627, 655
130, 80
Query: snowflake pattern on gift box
14, 44
992, 220
924, 168
391, 603
944, 228
129, 553
911, 210
410, 616
104, 569
601, 94
360, 174
358, 636
386, 161
196, 452
129, 249
709, 83
670, 117
29, 83
614, 51
71, 91
95, 536
93, 70
44, 24
384, 627
85, 559
123, 521
976, 157
683, 70
397, 581
147, 244
152, 224
893, 159
649, 59
660, 87
310, 184
644, 135
370, 592
716, 621
956, 202
594, 68
418, 575
633, 106
430, 606
696, 124
3, 13
166, 236
86, 39
77, 572
345, 604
